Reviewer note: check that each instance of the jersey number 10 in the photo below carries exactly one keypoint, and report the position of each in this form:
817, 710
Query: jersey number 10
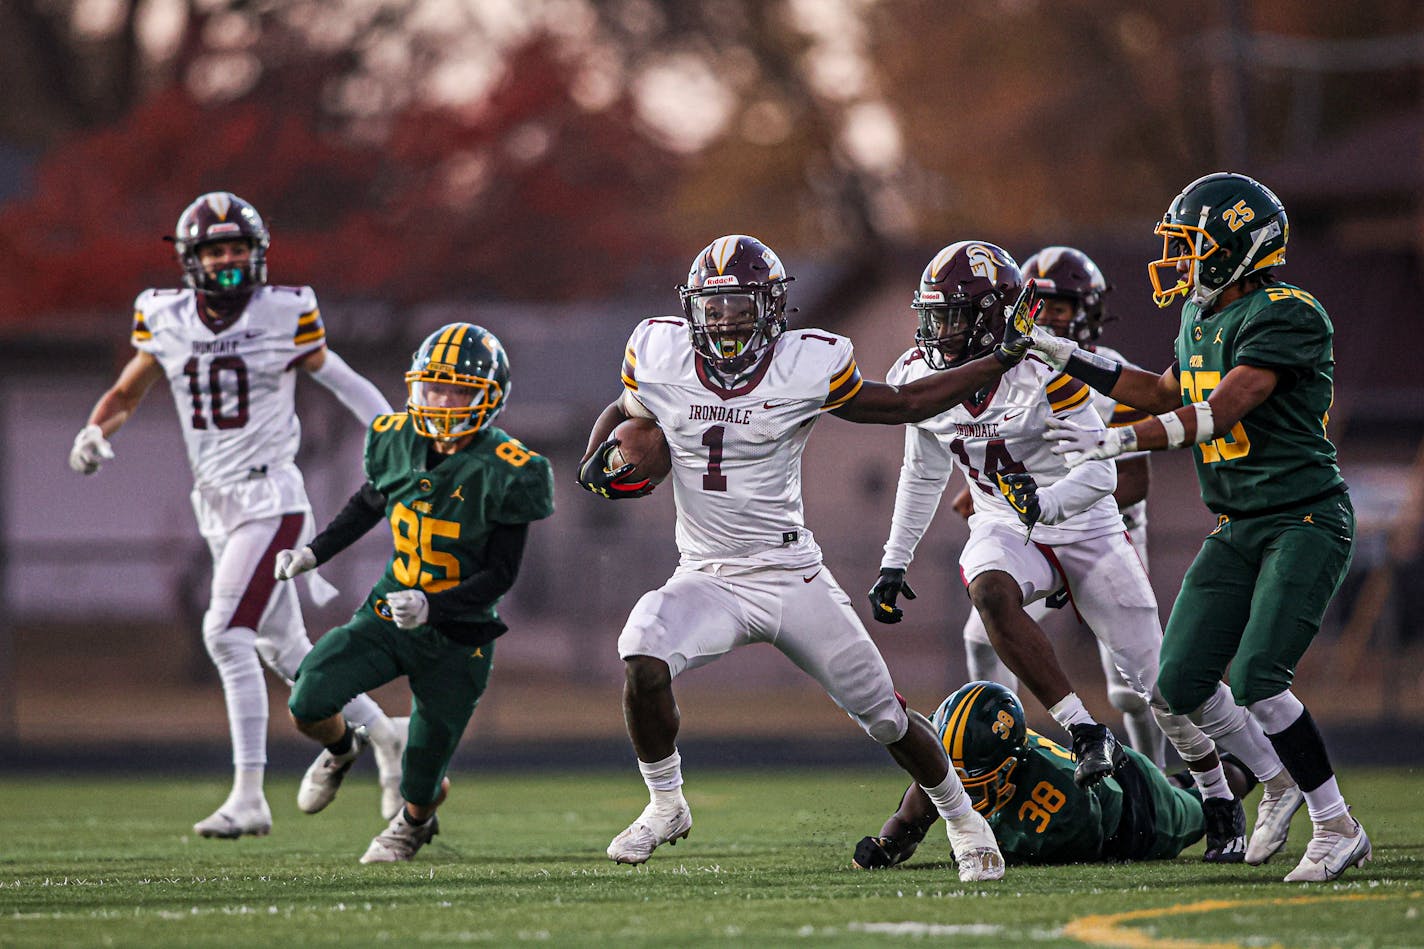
219, 365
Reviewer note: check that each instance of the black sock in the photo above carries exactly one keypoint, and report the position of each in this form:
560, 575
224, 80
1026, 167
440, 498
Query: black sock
342, 745
413, 821
1302, 751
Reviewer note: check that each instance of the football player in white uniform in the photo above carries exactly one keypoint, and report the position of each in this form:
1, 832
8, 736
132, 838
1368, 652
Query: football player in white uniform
227, 344
736, 395
1039, 526
1073, 292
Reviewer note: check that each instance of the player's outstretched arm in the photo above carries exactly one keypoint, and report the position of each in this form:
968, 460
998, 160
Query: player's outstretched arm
115, 407
879, 403
1129, 385
355, 391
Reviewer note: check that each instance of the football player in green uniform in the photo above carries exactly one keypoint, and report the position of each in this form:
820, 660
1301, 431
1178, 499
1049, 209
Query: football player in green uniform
1251, 389
458, 495
1023, 784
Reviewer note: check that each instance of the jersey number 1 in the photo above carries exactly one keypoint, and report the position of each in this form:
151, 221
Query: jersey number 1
713, 479
216, 368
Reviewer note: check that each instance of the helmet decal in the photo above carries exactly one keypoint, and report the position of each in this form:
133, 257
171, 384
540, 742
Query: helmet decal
221, 203
982, 262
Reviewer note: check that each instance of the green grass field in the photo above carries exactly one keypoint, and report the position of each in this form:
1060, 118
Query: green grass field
520, 860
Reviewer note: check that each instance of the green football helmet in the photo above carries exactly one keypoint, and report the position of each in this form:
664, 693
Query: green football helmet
1227, 226
458, 382
983, 730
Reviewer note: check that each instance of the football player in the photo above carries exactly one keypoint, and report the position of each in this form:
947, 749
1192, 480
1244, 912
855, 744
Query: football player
458, 495
1251, 391
228, 343
1037, 528
1074, 293
1024, 784
736, 394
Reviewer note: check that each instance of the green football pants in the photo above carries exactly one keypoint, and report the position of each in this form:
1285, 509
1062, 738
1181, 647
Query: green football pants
1253, 600
446, 681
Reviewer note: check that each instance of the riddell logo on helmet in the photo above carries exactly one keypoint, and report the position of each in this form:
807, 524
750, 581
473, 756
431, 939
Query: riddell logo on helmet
226, 228
723, 280
931, 296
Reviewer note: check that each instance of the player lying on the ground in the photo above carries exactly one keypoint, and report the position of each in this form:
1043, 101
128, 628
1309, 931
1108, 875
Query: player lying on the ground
1023, 783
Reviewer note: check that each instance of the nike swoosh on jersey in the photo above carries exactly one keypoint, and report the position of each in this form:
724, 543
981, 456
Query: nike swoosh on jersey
1011, 415
811, 577
777, 405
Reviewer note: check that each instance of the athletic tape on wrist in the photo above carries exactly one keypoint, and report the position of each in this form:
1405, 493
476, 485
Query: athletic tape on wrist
1176, 430
1097, 371
1206, 425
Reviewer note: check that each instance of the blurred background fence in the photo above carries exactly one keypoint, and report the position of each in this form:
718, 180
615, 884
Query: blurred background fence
547, 170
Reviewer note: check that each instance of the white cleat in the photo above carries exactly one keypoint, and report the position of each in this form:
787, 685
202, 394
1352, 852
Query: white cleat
653, 828
388, 752
1273, 820
323, 778
1328, 855
232, 821
401, 839
975, 849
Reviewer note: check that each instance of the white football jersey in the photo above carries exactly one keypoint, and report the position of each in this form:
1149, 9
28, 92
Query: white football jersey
1003, 433
736, 454
233, 388
1117, 415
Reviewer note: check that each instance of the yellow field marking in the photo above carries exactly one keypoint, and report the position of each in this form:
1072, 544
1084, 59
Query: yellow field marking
1103, 930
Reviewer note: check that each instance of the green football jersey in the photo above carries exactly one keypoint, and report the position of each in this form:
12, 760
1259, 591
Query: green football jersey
441, 517
1279, 453
1048, 818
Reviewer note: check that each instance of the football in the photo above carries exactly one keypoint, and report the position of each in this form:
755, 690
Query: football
642, 445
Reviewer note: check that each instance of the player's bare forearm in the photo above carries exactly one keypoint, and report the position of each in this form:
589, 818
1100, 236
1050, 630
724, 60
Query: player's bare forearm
1134, 477
116, 406
603, 426
1243, 388
1148, 391
879, 403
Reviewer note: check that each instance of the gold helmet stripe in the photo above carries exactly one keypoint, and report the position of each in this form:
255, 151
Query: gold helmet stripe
437, 352
958, 722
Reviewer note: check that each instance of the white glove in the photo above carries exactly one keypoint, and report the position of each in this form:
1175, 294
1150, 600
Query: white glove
409, 608
1055, 350
291, 563
90, 450
1079, 445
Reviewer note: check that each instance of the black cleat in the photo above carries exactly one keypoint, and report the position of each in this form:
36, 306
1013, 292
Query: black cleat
1097, 751
879, 853
1225, 830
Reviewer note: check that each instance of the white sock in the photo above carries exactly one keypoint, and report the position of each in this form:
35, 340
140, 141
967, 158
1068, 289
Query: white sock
1326, 802
1070, 711
247, 785
663, 778
949, 797
1213, 783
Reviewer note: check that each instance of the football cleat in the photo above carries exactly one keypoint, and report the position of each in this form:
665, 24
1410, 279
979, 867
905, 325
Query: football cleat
323, 779
1097, 751
1225, 830
232, 821
1329, 854
388, 752
653, 828
401, 839
1273, 820
880, 853
975, 849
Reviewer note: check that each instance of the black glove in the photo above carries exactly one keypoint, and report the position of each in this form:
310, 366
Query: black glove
879, 853
595, 475
883, 595
1021, 491
1018, 328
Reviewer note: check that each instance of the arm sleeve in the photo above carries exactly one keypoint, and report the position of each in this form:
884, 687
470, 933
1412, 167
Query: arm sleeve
923, 477
355, 391
497, 570
365, 509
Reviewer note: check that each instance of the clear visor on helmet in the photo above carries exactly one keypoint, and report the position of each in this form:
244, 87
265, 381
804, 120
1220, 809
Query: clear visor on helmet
943, 332
728, 323
445, 408
1181, 244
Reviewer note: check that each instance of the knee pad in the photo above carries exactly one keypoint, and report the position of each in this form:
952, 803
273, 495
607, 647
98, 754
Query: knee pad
886, 722
1124, 699
226, 643
309, 701
1178, 689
